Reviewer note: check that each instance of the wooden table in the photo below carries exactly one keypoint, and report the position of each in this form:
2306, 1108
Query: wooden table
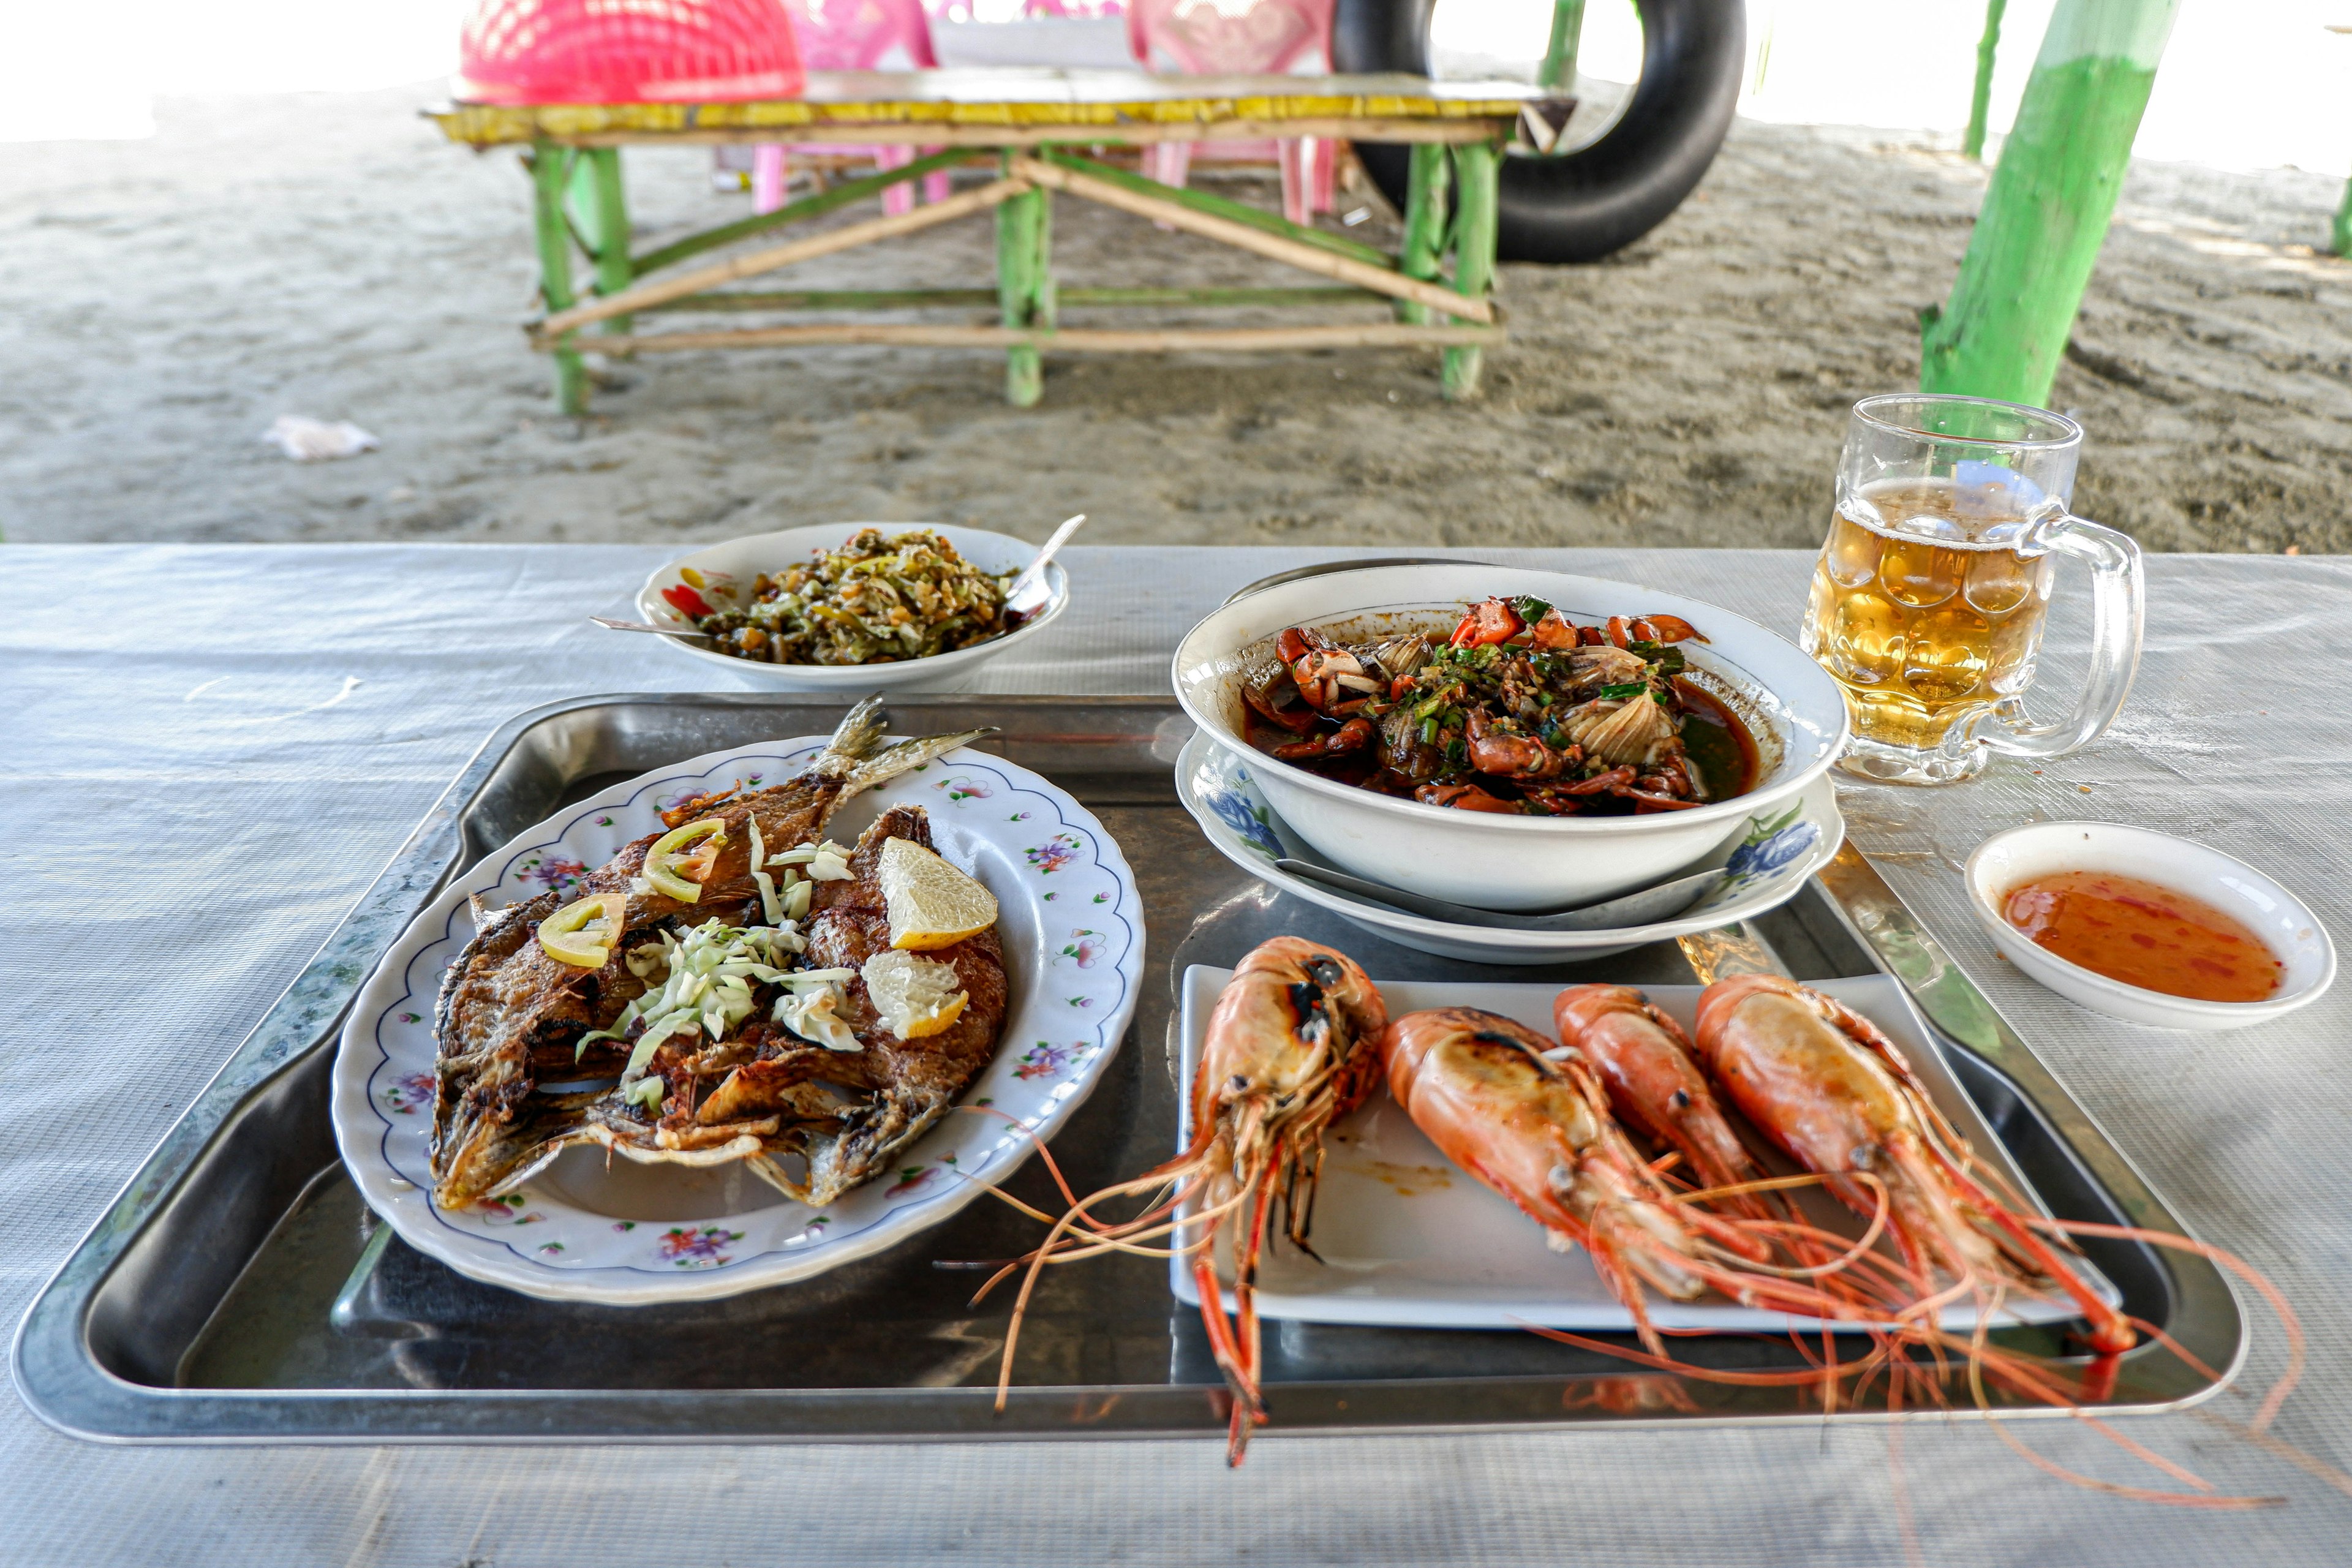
1037, 129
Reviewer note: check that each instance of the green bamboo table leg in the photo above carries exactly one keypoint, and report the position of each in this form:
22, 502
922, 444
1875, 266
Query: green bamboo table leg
1023, 289
1558, 71
2046, 212
1981, 101
608, 226
1477, 167
550, 174
1425, 223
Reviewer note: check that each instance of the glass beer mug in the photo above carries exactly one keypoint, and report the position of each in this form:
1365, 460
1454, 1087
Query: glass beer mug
1930, 594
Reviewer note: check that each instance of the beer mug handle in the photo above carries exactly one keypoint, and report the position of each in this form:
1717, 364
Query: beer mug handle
2118, 611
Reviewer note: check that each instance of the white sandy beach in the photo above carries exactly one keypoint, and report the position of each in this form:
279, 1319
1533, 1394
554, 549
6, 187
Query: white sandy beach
329, 254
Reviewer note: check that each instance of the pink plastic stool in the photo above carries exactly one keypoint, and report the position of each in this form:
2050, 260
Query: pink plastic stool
1240, 38
854, 35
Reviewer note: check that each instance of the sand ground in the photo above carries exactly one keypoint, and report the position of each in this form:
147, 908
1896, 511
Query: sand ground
330, 256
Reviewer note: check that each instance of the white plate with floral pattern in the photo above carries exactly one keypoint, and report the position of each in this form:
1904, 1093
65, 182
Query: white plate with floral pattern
1071, 924
1769, 859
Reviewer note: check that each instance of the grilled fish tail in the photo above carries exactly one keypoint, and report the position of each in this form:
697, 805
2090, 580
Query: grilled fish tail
854, 740
857, 757
906, 756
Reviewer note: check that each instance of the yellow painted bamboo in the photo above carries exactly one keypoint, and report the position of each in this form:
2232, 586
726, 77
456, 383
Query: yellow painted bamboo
925, 133
681, 284
1244, 237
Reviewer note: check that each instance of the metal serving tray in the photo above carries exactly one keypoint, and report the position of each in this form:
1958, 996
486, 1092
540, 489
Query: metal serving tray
238, 1290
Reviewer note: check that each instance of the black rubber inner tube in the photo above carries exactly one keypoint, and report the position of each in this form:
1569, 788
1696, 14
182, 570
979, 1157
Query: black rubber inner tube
1584, 204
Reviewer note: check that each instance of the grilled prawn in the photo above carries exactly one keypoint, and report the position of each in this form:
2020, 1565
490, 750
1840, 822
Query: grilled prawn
1656, 1087
1290, 1048
1530, 1118
1836, 1095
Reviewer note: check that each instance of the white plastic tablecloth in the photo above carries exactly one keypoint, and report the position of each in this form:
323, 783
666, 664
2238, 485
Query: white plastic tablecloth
207, 753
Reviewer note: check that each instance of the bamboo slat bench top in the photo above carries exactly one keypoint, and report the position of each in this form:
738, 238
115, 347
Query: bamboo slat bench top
995, 104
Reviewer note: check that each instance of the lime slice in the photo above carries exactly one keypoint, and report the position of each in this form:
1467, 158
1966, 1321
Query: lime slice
581, 934
931, 903
915, 996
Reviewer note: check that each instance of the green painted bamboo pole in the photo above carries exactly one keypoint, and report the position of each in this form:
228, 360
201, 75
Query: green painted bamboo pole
932, 299
2046, 212
1980, 100
2340, 241
549, 175
609, 225
1239, 212
1430, 172
1021, 288
1478, 174
824, 202
1559, 70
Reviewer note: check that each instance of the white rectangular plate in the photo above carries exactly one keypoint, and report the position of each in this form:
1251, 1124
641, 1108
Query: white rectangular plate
1408, 1239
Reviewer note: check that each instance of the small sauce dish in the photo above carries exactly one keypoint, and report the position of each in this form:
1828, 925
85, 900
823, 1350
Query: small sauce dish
2001, 863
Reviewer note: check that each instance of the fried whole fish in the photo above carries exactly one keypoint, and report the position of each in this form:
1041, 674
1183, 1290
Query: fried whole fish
509, 1017
771, 1094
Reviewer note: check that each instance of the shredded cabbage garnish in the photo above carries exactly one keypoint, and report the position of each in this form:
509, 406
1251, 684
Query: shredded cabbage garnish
808, 1010
706, 987
768, 906
826, 862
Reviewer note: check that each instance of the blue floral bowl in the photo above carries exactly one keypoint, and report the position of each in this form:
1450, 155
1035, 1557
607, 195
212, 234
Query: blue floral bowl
1769, 860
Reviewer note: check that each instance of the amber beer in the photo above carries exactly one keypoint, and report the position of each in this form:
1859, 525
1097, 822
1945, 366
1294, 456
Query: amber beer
1927, 607
1932, 587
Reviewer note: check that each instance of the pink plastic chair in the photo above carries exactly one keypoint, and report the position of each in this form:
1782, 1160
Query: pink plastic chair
854, 35
1240, 38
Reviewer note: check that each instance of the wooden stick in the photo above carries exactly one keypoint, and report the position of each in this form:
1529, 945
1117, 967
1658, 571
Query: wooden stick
817, 205
1219, 207
1375, 334
1110, 134
1244, 237
760, 261
986, 299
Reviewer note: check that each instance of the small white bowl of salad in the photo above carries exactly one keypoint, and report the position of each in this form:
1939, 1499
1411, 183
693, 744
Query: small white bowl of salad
851, 607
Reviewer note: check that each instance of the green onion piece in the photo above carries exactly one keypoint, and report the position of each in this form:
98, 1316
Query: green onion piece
1627, 690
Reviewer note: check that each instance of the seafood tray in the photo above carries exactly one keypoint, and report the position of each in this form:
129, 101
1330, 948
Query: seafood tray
238, 1290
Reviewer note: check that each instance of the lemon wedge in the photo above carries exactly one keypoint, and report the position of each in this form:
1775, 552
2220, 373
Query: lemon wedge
581, 934
931, 903
915, 996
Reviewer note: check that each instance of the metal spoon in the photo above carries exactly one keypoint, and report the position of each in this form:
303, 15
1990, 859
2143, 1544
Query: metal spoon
1028, 591
1644, 907
611, 624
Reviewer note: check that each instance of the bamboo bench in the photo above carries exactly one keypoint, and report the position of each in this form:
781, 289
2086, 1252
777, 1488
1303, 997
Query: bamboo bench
1037, 128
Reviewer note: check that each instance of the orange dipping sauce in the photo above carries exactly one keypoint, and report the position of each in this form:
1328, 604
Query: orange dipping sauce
2143, 935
